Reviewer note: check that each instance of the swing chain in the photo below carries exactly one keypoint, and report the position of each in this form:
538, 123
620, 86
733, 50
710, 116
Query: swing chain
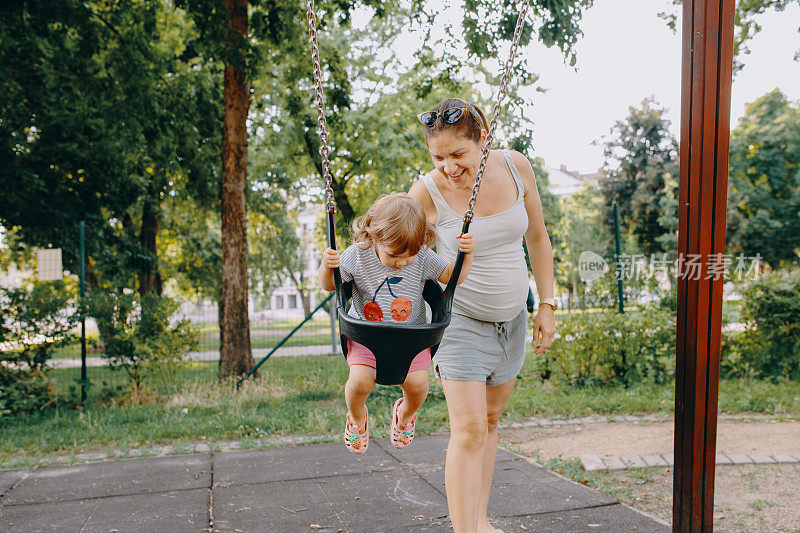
323, 132
501, 95
330, 204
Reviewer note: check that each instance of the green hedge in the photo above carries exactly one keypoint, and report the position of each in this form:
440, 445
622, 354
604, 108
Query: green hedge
33, 321
769, 347
608, 348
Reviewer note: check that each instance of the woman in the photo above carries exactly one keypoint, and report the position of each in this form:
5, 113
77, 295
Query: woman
484, 347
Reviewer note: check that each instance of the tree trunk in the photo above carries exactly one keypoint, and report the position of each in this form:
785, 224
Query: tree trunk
572, 296
235, 354
346, 210
305, 297
302, 289
149, 275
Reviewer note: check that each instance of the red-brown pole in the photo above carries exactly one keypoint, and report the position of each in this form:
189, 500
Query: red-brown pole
702, 198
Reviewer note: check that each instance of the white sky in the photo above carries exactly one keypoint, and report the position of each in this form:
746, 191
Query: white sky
641, 57
628, 54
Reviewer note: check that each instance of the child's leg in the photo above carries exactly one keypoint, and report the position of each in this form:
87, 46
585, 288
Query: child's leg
415, 390
359, 385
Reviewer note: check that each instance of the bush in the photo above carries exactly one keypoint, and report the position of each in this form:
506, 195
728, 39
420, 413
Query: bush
140, 337
770, 346
33, 321
608, 348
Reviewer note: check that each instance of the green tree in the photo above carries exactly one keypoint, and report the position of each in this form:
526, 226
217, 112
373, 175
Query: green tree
580, 229
668, 219
764, 181
640, 152
105, 114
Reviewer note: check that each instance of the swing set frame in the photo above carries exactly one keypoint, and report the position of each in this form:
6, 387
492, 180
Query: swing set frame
706, 78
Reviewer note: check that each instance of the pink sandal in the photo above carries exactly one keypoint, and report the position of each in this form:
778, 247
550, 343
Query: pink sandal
354, 439
402, 434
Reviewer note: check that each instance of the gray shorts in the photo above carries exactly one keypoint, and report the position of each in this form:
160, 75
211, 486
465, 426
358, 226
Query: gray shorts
474, 350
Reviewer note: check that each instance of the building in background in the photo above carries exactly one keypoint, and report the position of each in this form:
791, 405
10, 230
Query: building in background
287, 301
564, 182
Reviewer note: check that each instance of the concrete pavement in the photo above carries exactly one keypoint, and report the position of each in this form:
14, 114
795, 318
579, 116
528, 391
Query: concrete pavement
297, 488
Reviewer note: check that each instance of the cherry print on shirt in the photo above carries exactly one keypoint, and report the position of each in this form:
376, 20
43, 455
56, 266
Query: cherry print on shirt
373, 312
401, 306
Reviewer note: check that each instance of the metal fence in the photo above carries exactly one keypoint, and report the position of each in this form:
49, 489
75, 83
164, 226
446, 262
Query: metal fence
270, 322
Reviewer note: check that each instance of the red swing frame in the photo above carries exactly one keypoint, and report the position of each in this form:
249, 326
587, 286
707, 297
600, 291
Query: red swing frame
702, 200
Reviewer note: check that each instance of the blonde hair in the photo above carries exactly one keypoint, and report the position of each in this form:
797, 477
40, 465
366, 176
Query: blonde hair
396, 221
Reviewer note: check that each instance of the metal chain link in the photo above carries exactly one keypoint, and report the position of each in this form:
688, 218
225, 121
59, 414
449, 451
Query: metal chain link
501, 95
330, 204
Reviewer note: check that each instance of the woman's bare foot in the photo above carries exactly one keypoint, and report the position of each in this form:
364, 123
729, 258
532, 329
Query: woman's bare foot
485, 527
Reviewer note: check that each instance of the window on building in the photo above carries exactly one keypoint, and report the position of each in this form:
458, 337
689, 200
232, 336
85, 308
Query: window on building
278, 302
292, 301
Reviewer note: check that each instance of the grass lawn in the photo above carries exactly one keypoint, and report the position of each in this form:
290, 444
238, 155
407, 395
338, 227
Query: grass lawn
304, 396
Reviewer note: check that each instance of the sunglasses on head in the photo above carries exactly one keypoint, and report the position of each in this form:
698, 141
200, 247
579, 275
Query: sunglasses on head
451, 115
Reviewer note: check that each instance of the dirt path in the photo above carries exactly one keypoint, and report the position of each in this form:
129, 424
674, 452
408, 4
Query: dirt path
652, 438
746, 497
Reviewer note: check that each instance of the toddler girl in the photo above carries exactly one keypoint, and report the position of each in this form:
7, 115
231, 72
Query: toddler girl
389, 264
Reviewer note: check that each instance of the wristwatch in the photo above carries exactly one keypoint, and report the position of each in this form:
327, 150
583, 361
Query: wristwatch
549, 301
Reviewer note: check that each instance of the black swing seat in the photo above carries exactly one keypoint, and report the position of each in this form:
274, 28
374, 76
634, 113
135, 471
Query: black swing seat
396, 344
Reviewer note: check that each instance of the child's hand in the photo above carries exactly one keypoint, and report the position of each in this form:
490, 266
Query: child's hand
330, 258
466, 243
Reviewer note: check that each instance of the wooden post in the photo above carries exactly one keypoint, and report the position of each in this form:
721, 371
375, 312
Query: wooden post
705, 129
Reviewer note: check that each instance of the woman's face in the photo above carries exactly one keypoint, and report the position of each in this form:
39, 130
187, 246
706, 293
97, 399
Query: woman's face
457, 158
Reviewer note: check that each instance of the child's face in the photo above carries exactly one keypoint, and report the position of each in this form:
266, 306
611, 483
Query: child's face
393, 259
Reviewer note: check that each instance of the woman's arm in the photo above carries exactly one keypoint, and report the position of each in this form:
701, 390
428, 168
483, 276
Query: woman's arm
540, 253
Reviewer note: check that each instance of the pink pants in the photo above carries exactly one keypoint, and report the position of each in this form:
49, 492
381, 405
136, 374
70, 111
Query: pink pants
358, 354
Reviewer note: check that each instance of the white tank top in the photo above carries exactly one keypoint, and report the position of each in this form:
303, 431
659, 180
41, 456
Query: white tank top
497, 285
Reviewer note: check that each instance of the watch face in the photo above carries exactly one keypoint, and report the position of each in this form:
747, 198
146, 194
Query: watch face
549, 301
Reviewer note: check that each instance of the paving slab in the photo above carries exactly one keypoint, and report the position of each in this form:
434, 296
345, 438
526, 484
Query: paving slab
654, 460
435, 448
299, 488
297, 462
113, 478
9, 478
66, 516
175, 511
633, 461
608, 518
378, 501
614, 463
521, 488
591, 461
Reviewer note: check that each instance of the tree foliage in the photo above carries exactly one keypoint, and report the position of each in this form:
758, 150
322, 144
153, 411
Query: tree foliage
580, 229
764, 181
639, 152
104, 114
